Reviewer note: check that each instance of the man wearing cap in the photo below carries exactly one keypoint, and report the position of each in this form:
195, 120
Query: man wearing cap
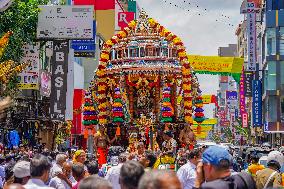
214, 172
170, 144
22, 172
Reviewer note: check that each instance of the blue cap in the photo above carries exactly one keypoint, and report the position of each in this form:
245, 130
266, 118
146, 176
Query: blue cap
214, 154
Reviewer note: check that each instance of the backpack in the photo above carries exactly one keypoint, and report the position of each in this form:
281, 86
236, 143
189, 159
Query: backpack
238, 181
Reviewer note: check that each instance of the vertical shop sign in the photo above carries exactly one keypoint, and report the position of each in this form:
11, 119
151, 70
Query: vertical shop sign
59, 80
242, 95
248, 77
124, 18
251, 27
45, 83
245, 120
257, 103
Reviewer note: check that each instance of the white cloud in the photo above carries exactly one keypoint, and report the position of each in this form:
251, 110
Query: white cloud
201, 34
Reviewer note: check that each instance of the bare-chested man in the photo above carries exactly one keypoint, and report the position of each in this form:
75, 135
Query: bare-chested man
187, 138
101, 144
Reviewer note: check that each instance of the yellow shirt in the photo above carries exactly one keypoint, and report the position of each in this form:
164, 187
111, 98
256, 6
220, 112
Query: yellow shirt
253, 168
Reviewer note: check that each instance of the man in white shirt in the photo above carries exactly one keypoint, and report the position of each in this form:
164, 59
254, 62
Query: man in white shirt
187, 172
57, 167
40, 167
114, 172
61, 180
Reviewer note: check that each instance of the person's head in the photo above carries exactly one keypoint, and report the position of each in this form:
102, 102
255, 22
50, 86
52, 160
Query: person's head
130, 174
122, 157
159, 179
275, 160
22, 172
216, 163
67, 169
40, 167
148, 160
254, 159
140, 148
102, 128
194, 156
22, 148
93, 168
94, 182
60, 159
80, 156
167, 135
78, 171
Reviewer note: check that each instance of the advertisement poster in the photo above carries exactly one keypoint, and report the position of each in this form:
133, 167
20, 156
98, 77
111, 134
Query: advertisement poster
29, 78
45, 83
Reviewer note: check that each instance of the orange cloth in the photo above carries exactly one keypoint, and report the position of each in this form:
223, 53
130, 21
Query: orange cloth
102, 159
253, 168
282, 179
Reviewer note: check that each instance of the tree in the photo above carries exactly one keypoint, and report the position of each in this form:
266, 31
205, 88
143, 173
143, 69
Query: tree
21, 19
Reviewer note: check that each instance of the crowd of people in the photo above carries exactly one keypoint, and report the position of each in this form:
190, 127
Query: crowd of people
205, 167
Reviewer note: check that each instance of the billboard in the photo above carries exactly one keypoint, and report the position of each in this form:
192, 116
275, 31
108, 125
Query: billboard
245, 120
59, 80
251, 36
65, 22
29, 78
257, 103
85, 48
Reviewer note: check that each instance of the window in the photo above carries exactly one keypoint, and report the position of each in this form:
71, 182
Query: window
271, 41
282, 72
272, 110
271, 78
281, 41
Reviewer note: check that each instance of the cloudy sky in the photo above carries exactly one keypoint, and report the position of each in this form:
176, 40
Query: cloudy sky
203, 25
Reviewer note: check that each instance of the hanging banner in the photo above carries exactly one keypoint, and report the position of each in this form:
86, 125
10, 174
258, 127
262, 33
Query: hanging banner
208, 99
257, 103
216, 64
224, 122
231, 95
124, 18
248, 77
45, 83
59, 80
251, 36
245, 120
70, 86
242, 95
29, 78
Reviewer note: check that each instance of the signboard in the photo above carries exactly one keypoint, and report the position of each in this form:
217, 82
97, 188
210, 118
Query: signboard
257, 103
245, 120
59, 80
248, 77
65, 22
124, 18
223, 118
45, 83
85, 48
242, 95
231, 95
29, 78
70, 86
251, 27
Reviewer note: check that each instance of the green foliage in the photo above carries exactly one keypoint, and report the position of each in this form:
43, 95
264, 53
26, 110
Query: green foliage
21, 18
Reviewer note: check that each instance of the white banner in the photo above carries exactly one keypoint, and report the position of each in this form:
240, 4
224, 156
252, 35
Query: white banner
70, 87
65, 22
29, 78
251, 38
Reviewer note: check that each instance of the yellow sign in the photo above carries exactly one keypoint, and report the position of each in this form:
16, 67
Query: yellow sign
204, 131
206, 99
216, 64
206, 122
28, 86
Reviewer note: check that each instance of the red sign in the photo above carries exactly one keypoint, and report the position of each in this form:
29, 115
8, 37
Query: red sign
98, 4
124, 18
245, 120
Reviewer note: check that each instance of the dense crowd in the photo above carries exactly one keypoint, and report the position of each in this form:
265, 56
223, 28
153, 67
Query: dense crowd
205, 167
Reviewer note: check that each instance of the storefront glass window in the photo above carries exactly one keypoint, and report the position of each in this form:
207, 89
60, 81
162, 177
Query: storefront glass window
281, 41
271, 78
272, 110
271, 41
